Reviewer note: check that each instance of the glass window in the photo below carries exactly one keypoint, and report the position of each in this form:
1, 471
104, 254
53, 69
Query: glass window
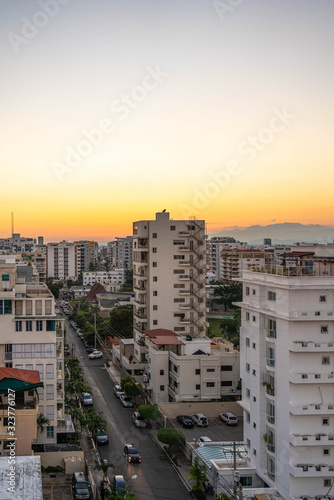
49, 371
50, 325
28, 326
39, 325
8, 306
18, 326
49, 391
50, 431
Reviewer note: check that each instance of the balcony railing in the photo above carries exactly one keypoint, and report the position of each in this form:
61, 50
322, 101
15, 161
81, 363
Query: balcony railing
308, 378
271, 333
311, 409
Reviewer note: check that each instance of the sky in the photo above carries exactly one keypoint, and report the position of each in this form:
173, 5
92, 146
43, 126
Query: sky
113, 110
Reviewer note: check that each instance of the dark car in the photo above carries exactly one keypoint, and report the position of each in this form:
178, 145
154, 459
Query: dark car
185, 421
80, 486
132, 454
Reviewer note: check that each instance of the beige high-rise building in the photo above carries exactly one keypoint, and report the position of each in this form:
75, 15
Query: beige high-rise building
169, 275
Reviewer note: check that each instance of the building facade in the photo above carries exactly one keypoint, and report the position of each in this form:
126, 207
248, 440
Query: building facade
61, 260
286, 365
104, 277
120, 253
32, 338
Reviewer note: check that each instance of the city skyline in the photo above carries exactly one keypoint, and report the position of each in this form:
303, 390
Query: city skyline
112, 112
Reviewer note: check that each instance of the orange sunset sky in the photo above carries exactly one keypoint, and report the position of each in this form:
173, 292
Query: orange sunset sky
112, 111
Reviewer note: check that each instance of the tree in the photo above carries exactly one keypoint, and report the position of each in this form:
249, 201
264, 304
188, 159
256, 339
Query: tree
228, 293
222, 496
95, 422
54, 287
171, 436
149, 412
42, 422
121, 320
231, 327
197, 473
130, 386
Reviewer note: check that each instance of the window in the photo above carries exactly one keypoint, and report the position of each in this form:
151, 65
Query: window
50, 431
28, 326
155, 278
324, 329
247, 290
248, 443
326, 451
325, 360
197, 371
178, 271
247, 392
5, 277
254, 399
254, 425
175, 368
18, 326
162, 388
198, 387
322, 298
39, 325
154, 264
155, 308
226, 383
327, 482
254, 451
50, 412
154, 235
253, 318
247, 367
325, 421
254, 292
179, 300
247, 316
247, 417
49, 391
179, 285
7, 306
40, 369
317, 313
254, 372
178, 257
49, 371
29, 307
254, 345
246, 481
50, 325
210, 370
226, 368
172, 228
210, 384
154, 249
247, 342
155, 293
271, 295
155, 322
162, 372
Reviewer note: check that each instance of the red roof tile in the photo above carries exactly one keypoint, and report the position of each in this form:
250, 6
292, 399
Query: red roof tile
96, 288
166, 340
30, 376
160, 331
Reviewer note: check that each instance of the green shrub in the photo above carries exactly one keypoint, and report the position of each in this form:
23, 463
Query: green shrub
199, 493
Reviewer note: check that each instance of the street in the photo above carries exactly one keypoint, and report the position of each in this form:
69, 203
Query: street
154, 478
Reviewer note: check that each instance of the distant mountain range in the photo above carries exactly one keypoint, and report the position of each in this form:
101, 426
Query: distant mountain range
287, 233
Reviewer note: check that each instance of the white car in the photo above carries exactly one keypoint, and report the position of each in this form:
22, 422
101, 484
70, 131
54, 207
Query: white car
200, 419
228, 418
87, 399
95, 355
204, 439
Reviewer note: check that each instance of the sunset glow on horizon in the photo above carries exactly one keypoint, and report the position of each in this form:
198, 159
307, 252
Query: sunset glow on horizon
113, 111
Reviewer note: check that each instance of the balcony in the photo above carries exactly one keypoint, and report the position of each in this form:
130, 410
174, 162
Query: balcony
184, 292
311, 378
185, 321
185, 263
184, 248
311, 346
270, 419
311, 409
311, 439
185, 306
7, 356
312, 470
270, 363
184, 233
184, 277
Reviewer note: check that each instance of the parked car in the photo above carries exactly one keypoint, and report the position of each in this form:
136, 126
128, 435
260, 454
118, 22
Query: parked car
87, 399
204, 439
81, 487
95, 355
118, 484
118, 391
132, 454
126, 401
228, 418
185, 421
67, 351
200, 419
138, 420
102, 437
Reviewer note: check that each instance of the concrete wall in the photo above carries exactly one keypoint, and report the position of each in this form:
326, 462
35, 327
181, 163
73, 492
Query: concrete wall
210, 410
58, 458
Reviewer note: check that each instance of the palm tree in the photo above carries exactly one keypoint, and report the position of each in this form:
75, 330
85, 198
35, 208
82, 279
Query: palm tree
95, 422
197, 473
42, 422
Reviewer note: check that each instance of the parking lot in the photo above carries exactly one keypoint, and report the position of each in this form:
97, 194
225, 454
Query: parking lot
216, 430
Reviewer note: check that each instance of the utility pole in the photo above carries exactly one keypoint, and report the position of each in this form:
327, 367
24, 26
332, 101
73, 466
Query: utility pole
95, 329
235, 484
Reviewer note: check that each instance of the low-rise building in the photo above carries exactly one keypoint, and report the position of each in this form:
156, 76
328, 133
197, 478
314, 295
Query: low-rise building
113, 277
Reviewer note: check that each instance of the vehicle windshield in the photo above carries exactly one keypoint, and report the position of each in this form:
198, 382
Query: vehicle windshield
82, 486
133, 451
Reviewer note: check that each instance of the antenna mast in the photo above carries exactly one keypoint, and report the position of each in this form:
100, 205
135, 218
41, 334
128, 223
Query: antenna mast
12, 223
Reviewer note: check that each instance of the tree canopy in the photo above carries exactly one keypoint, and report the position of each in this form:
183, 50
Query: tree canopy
228, 293
171, 436
149, 412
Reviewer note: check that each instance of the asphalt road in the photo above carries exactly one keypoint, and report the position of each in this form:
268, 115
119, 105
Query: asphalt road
152, 479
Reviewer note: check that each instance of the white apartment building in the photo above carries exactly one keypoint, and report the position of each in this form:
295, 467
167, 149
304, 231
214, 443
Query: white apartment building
169, 276
121, 252
104, 277
32, 338
61, 260
287, 371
